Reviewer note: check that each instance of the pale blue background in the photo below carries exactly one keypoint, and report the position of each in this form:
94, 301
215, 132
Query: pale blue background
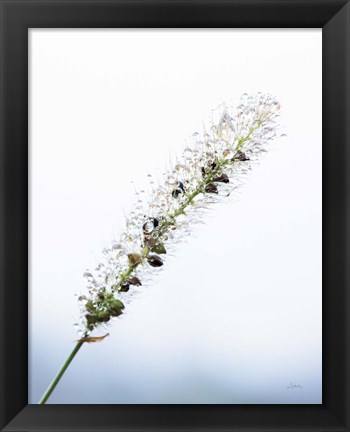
235, 316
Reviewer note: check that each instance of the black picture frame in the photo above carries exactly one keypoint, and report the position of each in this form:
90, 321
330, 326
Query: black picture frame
17, 16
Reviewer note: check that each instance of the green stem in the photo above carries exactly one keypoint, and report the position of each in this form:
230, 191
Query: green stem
145, 252
57, 378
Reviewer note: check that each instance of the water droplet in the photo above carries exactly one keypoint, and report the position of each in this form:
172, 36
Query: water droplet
171, 180
148, 227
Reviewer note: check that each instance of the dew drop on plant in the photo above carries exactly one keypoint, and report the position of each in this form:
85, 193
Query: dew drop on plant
166, 204
148, 227
87, 275
171, 180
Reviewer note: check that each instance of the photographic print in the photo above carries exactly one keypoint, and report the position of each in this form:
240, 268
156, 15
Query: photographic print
175, 216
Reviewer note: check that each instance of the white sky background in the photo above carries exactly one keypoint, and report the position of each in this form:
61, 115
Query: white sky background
235, 316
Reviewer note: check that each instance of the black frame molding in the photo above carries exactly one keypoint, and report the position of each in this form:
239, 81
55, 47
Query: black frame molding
333, 16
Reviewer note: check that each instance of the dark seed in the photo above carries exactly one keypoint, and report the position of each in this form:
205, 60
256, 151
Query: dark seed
124, 287
101, 295
211, 188
134, 281
89, 306
154, 261
150, 242
104, 316
203, 172
240, 156
118, 304
134, 259
91, 320
222, 178
176, 192
159, 248
149, 226
116, 308
179, 190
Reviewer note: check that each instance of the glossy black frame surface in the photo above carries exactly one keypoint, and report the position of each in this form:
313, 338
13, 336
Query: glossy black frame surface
16, 17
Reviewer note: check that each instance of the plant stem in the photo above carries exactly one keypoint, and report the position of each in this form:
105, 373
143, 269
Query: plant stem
57, 378
146, 251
